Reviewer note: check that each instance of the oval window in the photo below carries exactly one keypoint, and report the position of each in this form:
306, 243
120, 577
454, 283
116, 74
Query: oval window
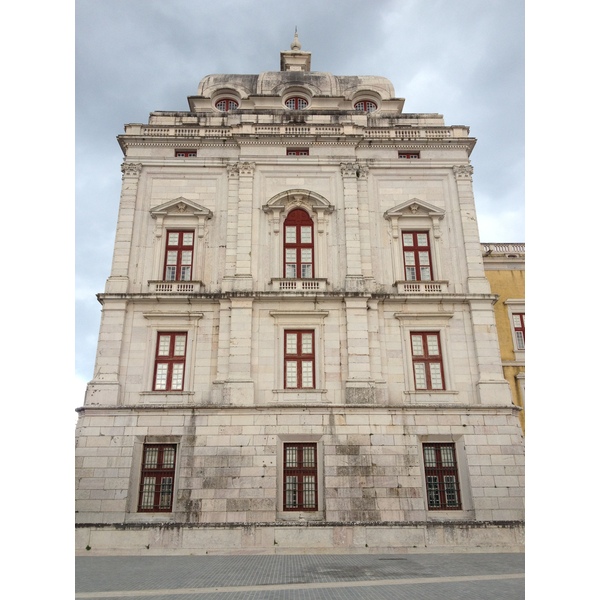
366, 105
296, 103
226, 104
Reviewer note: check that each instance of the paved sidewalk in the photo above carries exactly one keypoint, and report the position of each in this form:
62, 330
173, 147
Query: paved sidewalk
302, 577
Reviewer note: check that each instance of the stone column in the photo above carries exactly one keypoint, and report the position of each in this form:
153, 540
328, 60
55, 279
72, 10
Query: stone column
119, 275
354, 275
243, 271
232, 219
361, 387
239, 386
364, 222
492, 387
103, 389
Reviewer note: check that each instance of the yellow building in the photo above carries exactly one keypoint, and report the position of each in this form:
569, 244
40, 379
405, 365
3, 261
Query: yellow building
504, 266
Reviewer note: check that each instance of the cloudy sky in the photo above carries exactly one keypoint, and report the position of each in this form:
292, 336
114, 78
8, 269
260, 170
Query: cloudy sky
463, 59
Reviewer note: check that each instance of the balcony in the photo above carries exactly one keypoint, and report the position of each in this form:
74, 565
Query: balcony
174, 287
299, 285
422, 287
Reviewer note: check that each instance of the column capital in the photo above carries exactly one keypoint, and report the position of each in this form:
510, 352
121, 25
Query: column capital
131, 169
463, 171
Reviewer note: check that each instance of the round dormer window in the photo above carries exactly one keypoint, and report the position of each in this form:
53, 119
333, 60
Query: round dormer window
366, 106
296, 103
226, 104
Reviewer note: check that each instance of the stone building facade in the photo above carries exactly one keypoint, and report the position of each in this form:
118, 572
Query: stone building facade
298, 349
504, 266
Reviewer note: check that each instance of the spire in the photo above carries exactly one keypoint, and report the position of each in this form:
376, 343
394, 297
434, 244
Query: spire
296, 45
294, 59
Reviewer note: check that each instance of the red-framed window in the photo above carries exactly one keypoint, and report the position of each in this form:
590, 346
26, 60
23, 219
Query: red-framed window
365, 105
185, 153
296, 152
518, 321
300, 476
296, 103
157, 478
169, 364
417, 256
441, 475
427, 360
298, 245
409, 155
226, 104
179, 255
299, 359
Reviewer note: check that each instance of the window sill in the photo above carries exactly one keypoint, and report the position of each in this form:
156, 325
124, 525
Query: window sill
300, 395
300, 515
431, 396
164, 397
449, 515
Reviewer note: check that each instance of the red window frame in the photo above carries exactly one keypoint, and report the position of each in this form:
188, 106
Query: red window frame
157, 479
416, 255
185, 153
226, 104
441, 477
409, 155
366, 106
169, 361
428, 368
299, 359
179, 255
300, 477
518, 321
298, 249
296, 103
296, 152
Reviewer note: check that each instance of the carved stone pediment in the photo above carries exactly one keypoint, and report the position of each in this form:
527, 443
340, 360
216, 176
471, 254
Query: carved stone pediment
181, 206
414, 208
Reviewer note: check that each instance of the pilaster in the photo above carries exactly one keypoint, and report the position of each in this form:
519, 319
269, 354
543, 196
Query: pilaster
476, 280
118, 281
103, 389
354, 276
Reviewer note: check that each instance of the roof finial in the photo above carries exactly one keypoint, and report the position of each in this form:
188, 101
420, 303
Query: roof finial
295, 45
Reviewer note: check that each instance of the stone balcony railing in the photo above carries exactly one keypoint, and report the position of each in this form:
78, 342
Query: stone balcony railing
174, 287
299, 285
514, 250
399, 133
422, 287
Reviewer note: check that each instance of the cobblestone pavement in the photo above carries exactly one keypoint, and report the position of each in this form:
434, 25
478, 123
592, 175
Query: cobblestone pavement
481, 576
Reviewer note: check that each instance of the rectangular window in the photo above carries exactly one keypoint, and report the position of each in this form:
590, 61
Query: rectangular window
417, 256
169, 365
299, 359
296, 152
441, 474
427, 361
409, 155
300, 476
179, 255
518, 322
157, 478
185, 153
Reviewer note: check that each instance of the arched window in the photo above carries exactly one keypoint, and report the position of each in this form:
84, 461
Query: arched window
296, 103
366, 105
298, 245
226, 104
